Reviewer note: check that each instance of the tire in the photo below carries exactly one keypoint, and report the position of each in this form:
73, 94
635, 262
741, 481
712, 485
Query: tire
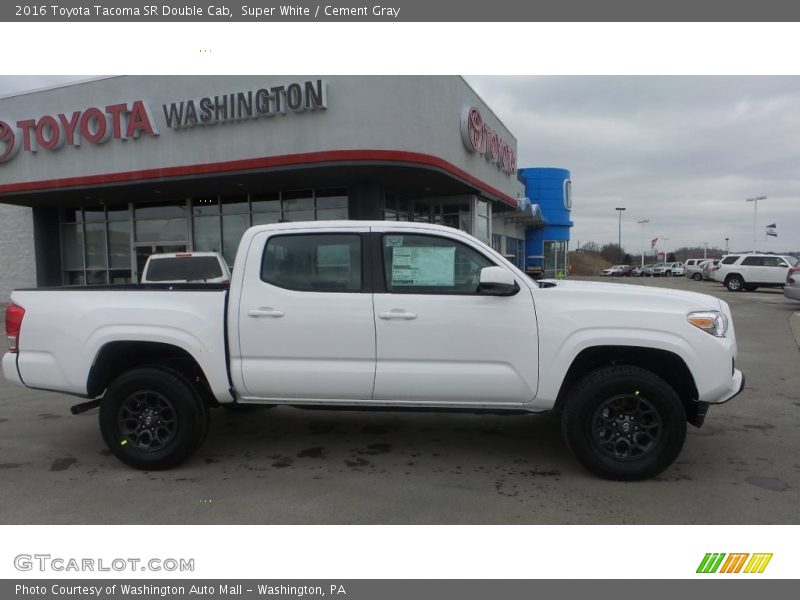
697, 277
592, 431
735, 283
160, 396
668, 274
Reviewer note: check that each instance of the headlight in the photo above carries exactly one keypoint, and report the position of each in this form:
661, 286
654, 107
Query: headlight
710, 321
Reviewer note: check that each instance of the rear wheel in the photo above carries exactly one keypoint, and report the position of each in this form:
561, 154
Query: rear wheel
623, 422
697, 277
734, 283
153, 418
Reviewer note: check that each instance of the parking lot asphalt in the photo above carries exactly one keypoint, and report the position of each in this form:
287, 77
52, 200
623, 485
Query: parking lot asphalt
291, 466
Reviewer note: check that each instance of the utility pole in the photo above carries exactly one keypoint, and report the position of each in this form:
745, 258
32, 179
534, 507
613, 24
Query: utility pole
619, 236
642, 222
755, 212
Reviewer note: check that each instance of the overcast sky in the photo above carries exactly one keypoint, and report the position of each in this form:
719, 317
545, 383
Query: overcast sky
683, 152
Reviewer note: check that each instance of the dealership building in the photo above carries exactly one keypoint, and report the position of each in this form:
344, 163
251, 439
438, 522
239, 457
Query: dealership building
98, 175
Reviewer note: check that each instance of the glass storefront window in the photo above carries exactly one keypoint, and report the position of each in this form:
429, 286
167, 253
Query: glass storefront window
94, 214
332, 214
95, 240
160, 230
335, 198
266, 218
96, 278
119, 244
267, 203
233, 227
234, 205
555, 258
118, 214
207, 234
302, 200
71, 215
161, 211
72, 246
205, 206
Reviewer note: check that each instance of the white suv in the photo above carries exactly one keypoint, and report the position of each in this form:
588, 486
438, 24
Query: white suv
739, 272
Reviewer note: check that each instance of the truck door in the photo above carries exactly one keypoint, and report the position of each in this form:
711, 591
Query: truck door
442, 341
305, 320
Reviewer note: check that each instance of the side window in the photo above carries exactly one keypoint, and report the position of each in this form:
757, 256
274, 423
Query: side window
773, 261
425, 264
313, 262
753, 261
729, 260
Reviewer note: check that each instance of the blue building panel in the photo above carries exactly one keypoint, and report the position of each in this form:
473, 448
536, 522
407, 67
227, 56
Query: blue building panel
546, 245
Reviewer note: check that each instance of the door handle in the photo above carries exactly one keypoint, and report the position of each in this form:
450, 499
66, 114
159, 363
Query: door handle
398, 313
267, 311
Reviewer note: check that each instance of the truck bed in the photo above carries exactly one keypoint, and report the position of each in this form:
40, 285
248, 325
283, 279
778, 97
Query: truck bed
66, 328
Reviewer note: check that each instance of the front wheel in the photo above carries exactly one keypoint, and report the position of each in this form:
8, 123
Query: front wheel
697, 277
152, 418
734, 283
624, 423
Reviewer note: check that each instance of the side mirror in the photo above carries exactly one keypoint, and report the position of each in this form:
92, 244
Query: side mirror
496, 281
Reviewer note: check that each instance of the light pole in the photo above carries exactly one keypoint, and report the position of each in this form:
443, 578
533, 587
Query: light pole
642, 222
726, 245
755, 212
619, 236
705, 249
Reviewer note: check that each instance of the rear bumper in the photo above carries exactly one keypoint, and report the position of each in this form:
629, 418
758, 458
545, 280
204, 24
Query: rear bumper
792, 292
10, 371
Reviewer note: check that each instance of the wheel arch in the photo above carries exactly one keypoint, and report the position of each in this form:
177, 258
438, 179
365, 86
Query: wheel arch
667, 365
116, 358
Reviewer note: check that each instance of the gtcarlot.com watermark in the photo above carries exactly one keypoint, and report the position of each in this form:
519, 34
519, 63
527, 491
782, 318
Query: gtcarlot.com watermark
45, 563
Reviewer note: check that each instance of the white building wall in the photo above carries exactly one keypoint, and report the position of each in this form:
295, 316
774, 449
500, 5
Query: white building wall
17, 262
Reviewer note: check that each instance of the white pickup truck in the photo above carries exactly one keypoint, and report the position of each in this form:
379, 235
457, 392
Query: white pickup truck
380, 314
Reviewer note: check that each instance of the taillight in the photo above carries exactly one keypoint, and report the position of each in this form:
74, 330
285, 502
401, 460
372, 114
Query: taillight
792, 271
14, 315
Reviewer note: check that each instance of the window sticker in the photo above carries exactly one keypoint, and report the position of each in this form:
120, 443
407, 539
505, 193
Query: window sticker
393, 241
421, 266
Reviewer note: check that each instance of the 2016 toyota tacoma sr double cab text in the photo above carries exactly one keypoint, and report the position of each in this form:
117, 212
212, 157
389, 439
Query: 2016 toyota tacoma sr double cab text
378, 314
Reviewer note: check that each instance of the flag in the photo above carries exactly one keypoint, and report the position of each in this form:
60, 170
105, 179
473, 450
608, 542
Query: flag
653, 243
771, 230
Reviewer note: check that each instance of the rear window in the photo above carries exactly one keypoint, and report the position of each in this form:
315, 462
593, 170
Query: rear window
325, 262
729, 260
184, 268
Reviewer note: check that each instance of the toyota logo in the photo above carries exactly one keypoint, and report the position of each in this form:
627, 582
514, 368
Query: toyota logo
9, 142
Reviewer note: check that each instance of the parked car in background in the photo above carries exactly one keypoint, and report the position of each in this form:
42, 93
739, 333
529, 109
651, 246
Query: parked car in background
617, 271
668, 269
740, 272
643, 270
708, 269
792, 288
693, 268
186, 267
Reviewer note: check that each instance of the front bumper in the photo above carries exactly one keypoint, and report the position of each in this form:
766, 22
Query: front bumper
737, 385
696, 414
